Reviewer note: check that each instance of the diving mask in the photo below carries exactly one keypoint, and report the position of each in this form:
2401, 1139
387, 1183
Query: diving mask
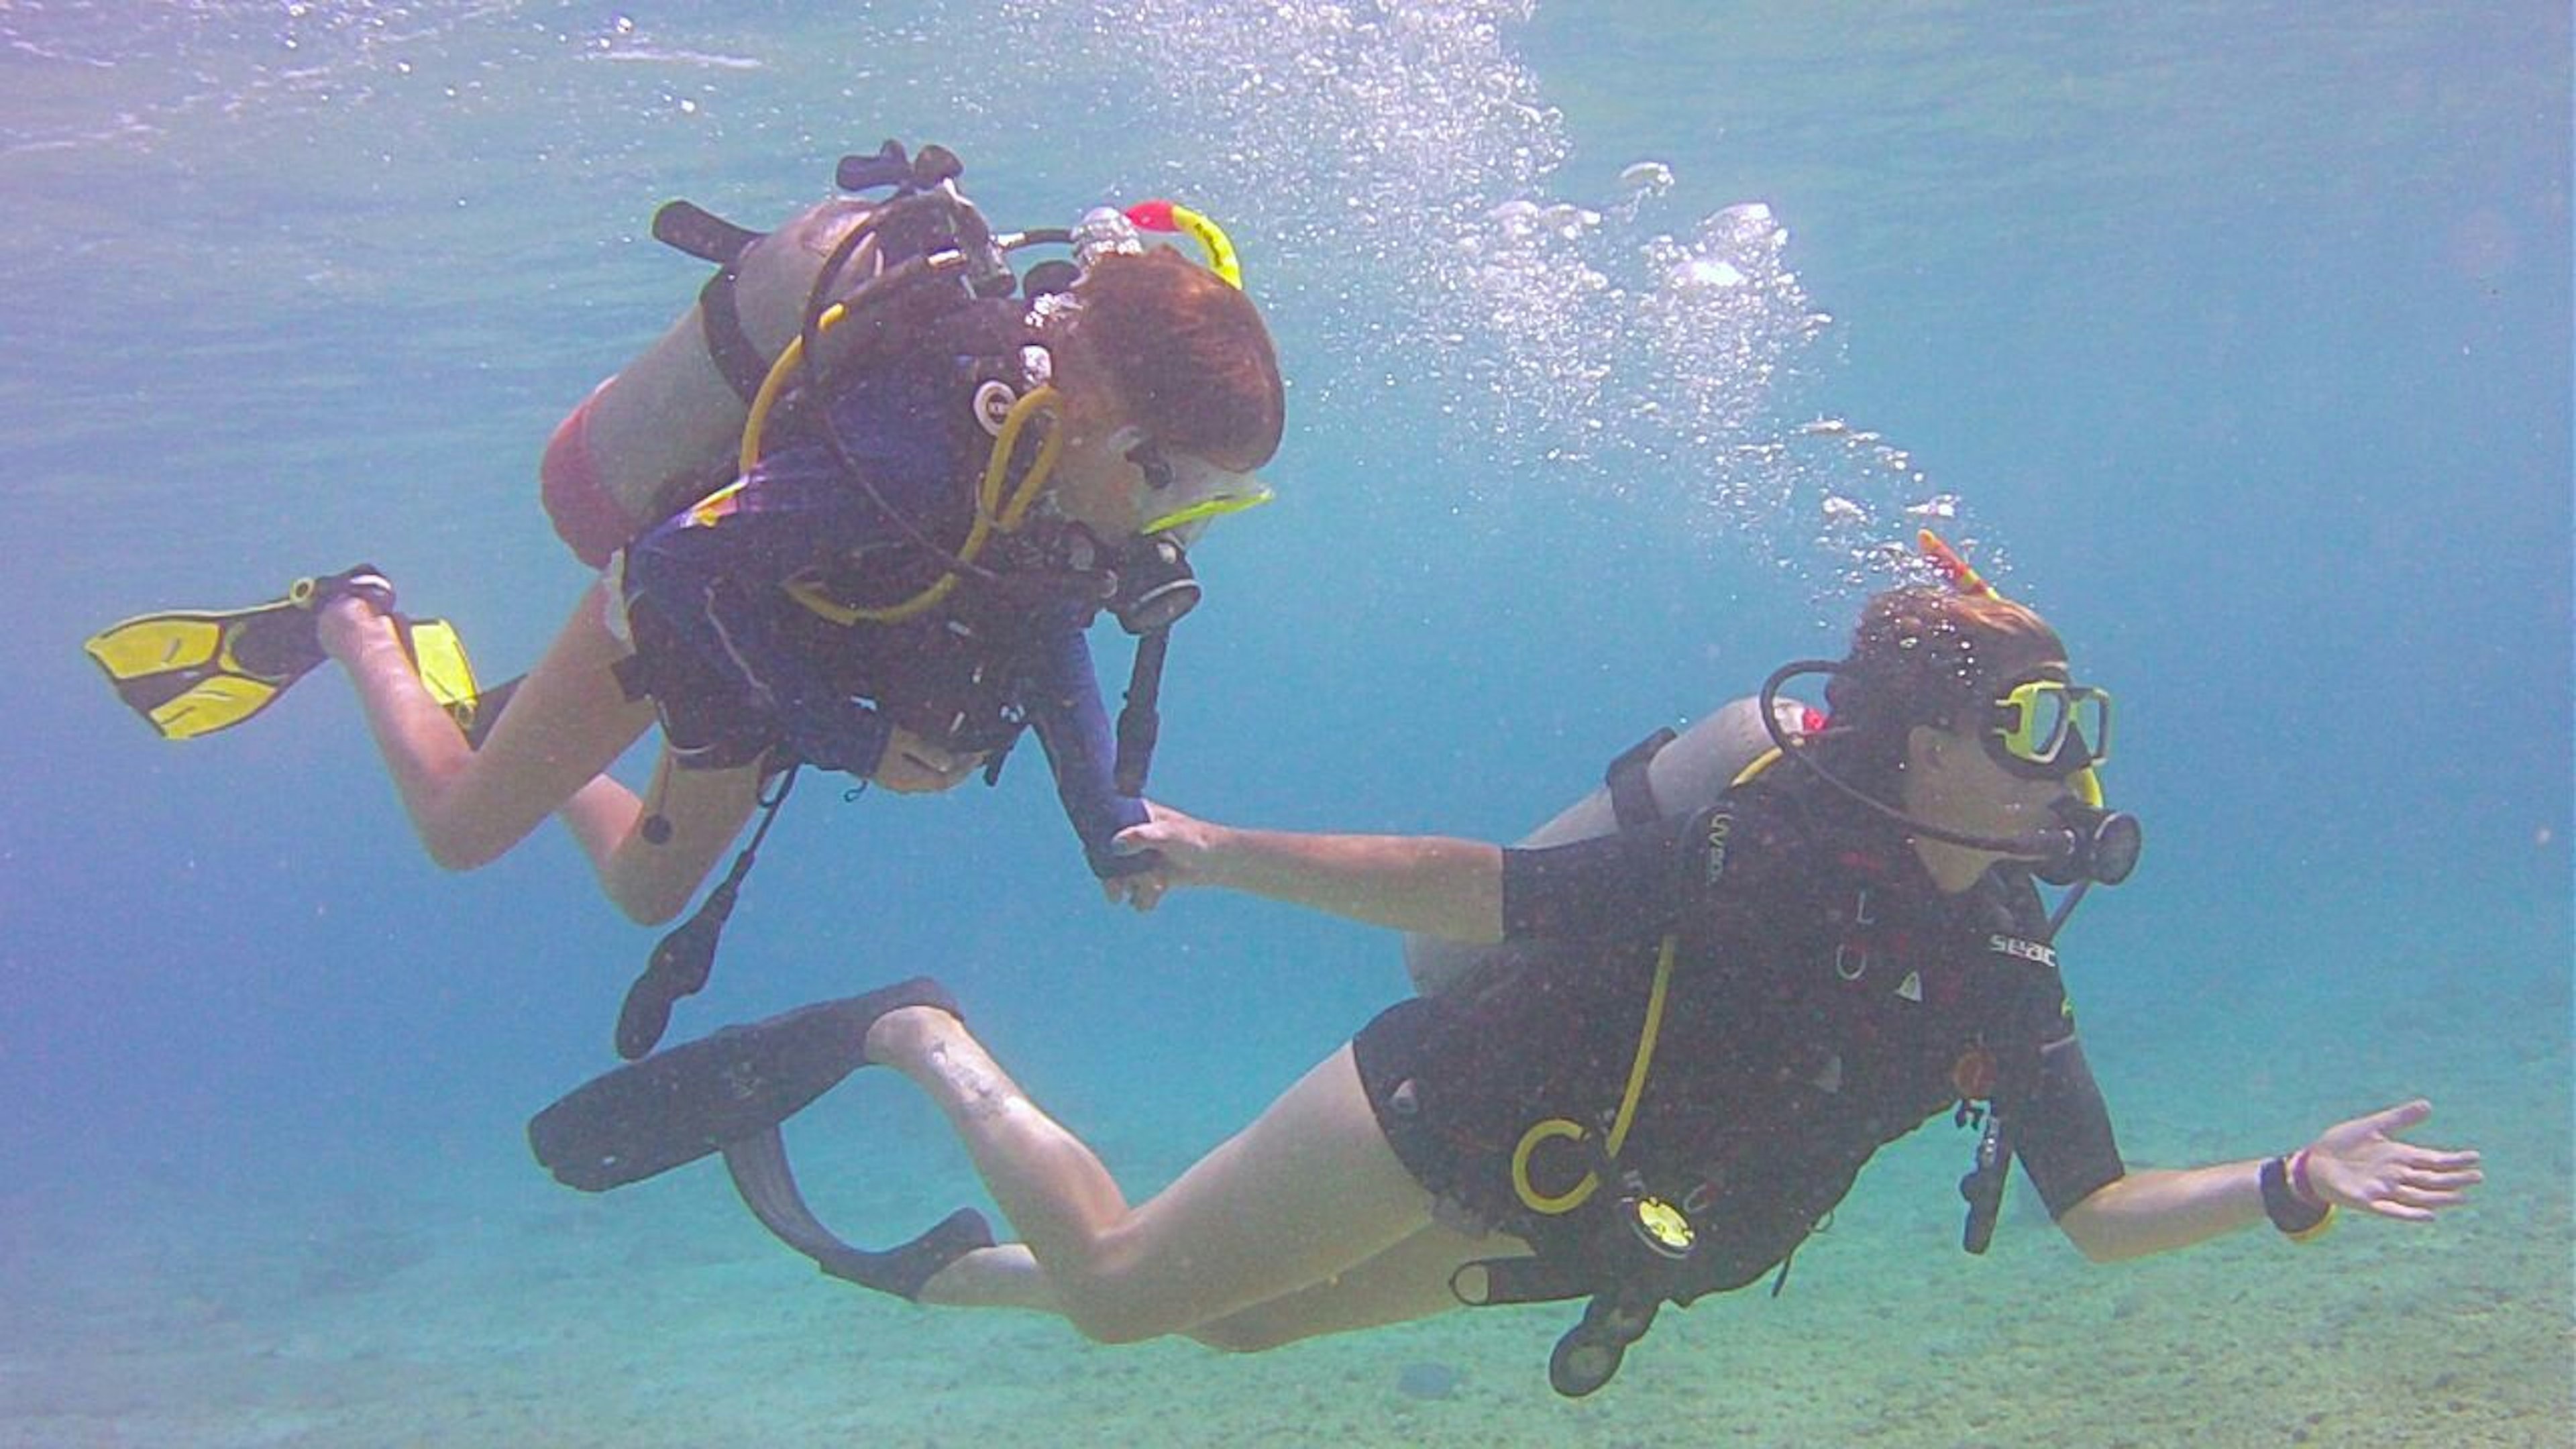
1184, 490
2049, 729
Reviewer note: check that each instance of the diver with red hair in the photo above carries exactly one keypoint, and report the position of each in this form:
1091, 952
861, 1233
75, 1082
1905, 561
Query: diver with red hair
855, 510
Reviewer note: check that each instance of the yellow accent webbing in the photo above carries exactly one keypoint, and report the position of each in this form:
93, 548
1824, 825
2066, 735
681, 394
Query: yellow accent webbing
1556, 1127
994, 513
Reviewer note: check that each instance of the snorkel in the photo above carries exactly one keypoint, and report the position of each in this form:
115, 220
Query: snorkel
2088, 845
1171, 216
1155, 586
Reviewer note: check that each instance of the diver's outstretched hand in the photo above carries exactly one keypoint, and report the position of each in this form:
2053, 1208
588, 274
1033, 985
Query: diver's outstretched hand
1188, 849
2362, 1165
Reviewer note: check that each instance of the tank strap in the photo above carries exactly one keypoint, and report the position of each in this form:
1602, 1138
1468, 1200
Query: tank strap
728, 346
1632, 794
688, 227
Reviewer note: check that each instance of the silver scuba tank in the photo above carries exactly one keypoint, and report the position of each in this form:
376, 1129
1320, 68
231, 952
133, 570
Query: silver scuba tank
671, 418
1679, 774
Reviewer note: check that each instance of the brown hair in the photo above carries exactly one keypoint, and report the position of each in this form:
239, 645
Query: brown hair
1185, 353
1923, 656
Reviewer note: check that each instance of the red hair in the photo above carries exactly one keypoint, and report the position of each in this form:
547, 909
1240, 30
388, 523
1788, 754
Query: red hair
1185, 355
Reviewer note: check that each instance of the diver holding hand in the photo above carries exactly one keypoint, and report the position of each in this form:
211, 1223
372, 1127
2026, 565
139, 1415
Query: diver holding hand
855, 510
1722, 1016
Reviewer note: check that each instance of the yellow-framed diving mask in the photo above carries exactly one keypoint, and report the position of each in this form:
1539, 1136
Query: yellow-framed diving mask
2049, 728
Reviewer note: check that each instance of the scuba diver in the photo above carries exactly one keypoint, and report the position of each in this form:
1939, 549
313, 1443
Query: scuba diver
855, 510
1703, 1026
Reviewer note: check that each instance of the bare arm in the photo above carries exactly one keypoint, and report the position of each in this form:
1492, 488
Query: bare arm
2158, 1210
2359, 1164
1432, 884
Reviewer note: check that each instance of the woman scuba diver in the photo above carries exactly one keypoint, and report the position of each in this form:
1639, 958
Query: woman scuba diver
1735, 1009
855, 510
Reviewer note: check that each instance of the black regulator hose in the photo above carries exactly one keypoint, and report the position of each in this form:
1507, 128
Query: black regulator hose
2089, 845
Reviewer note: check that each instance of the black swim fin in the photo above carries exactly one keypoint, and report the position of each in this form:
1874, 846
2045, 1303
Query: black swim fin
768, 1188
679, 1105
728, 1093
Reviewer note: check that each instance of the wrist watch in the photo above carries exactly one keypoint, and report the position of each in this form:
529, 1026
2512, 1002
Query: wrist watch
2301, 1221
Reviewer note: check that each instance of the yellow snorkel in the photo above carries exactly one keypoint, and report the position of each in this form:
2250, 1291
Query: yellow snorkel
1962, 576
1171, 216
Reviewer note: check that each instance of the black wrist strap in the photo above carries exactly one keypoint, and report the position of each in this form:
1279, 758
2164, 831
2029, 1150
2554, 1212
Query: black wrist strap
2283, 1207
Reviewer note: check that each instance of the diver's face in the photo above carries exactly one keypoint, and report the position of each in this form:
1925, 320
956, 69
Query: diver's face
1957, 774
1122, 482
1096, 485
1973, 782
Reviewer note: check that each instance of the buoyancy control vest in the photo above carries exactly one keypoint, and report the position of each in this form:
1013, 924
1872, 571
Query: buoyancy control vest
944, 674
1632, 1250
664, 431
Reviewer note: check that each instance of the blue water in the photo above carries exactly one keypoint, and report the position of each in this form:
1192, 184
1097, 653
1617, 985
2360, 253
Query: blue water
2234, 336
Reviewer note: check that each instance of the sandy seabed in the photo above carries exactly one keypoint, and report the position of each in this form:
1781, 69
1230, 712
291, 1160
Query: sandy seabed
503, 1311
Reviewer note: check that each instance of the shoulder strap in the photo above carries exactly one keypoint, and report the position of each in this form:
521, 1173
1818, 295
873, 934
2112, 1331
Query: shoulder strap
1632, 792
729, 347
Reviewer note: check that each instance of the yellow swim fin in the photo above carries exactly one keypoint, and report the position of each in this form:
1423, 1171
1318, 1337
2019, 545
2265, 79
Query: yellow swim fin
438, 656
194, 672
182, 673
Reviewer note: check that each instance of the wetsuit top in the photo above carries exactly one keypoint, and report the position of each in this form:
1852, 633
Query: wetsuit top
739, 667
1826, 999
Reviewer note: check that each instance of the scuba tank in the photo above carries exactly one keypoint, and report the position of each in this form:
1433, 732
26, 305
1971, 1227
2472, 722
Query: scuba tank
661, 432
1663, 776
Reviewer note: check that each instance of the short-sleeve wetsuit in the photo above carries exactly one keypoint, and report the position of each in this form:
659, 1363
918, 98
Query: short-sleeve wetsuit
1826, 999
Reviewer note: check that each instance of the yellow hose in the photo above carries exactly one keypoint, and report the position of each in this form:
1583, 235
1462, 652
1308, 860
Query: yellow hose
1559, 1127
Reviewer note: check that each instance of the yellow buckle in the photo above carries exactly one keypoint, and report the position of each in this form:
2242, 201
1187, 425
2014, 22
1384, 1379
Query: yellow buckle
1664, 1227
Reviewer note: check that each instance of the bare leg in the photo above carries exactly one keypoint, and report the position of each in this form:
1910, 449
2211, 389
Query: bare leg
1406, 1282
1309, 1190
705, 810
566, 724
